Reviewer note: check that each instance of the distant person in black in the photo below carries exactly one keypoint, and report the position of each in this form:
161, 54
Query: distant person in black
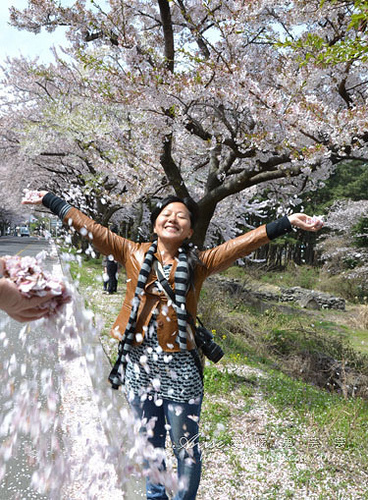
112, 272
111, 269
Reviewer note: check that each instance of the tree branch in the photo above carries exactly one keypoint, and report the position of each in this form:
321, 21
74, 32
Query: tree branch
195, 31
247, 179
168, 33
171, 169
194, 127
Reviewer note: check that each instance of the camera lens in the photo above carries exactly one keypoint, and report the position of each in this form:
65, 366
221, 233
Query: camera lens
204, 340
213, 352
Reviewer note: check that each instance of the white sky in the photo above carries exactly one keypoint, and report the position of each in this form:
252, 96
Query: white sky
14, 43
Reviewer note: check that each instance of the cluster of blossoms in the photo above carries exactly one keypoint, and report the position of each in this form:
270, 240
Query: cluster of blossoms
32, 280
30, 196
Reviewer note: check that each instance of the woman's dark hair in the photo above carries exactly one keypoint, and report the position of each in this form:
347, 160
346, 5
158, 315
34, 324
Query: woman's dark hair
192, 252
188, 202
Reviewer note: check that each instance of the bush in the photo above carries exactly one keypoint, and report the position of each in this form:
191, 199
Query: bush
360, 233
351, 287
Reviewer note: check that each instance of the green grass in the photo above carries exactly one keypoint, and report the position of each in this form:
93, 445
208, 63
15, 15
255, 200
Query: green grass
216, 428
89, 273
337, 422
359, 340
303, 276
216, 381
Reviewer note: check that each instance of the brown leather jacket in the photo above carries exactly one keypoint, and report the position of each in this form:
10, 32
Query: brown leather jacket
131, 256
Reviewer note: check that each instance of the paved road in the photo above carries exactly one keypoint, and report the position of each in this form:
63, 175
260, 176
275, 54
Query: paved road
80, 407
11, 245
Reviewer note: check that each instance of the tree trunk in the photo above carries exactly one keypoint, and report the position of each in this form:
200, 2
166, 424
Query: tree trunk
206, 211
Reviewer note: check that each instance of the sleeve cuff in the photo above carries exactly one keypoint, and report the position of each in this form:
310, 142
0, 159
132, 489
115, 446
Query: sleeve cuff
278, 228
57, 206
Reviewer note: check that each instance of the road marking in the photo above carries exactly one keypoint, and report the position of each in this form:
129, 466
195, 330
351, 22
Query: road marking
25, 248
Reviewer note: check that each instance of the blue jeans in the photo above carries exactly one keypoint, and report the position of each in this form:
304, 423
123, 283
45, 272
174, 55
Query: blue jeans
184, 434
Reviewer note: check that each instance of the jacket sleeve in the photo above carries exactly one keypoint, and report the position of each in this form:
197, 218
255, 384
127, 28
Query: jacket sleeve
220, 258
104, 240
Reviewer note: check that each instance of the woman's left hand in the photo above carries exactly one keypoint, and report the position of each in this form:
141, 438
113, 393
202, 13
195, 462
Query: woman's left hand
305, 222
33, 197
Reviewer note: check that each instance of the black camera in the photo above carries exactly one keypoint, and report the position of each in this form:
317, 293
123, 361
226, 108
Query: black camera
204, 341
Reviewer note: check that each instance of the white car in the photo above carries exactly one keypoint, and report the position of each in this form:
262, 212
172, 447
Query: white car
24, 231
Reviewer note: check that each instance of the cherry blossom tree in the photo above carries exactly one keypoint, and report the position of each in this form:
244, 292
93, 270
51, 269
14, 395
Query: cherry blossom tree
201, 98
11, 212
341, 249
6, 218
51, 136
346, 44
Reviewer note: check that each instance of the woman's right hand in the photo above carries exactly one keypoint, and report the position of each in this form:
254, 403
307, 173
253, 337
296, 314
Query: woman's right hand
33, 197
19, 307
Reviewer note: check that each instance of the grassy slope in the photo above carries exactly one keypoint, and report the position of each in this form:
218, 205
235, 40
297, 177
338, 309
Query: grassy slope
264, 434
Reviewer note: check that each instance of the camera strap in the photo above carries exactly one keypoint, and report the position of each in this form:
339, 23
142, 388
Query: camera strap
169, 292
167, 287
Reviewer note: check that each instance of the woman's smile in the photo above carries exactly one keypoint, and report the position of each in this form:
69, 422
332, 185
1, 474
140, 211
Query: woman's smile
172, 227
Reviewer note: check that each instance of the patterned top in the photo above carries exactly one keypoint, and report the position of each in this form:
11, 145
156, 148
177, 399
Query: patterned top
162, 375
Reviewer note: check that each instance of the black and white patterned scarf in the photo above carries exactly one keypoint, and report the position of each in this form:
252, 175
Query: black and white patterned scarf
181, 285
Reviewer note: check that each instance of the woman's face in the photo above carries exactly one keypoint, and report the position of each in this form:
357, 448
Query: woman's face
173, 223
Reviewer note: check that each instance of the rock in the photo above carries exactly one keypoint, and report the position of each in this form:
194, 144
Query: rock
309, 302
309, 299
